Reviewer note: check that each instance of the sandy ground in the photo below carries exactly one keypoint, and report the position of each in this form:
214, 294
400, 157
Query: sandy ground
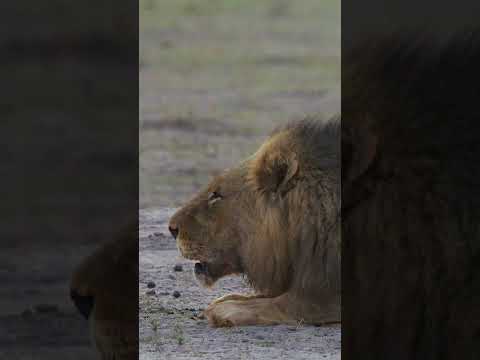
172, 328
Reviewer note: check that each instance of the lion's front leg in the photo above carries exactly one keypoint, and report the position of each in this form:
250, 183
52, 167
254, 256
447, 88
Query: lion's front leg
254, 311
283, 309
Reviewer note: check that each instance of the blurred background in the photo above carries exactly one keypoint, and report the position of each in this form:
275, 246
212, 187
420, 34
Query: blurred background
69, 170
216, 76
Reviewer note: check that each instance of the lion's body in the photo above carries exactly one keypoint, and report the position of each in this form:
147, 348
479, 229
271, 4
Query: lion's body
275, 218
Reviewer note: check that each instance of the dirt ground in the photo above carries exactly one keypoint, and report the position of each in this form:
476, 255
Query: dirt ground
172, 327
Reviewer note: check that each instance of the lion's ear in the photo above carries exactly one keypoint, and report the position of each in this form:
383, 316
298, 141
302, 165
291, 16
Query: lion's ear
273, 173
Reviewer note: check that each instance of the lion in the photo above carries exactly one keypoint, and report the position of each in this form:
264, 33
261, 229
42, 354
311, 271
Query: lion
104, 288
410, 213
275, 219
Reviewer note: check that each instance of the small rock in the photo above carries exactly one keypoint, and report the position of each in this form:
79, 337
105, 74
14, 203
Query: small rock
158, 234
260, 337
46, 308
150, 292
176, 294
244, 340
150, 284
171, 277
178, 267
164, 293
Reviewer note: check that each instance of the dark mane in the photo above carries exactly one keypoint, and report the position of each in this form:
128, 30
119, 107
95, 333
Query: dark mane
404, 79
410, 210
319, 139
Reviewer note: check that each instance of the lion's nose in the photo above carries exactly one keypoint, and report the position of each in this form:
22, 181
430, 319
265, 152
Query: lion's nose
173, 230
84, 304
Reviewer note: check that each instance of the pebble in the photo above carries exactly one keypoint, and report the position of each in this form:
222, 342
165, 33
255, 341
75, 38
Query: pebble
176, 294
178, 267
150, 292
171, 277
151, 285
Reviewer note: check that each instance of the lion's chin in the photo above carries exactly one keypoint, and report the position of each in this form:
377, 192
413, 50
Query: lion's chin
207, 273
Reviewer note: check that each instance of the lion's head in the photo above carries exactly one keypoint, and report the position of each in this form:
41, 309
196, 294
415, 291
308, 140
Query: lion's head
104, 288
251, 218
211, 227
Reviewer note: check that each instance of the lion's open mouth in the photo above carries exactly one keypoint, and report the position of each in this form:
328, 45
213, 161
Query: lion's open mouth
201, 268
208, 272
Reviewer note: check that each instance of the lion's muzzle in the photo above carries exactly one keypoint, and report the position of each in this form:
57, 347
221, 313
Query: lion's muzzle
173, 230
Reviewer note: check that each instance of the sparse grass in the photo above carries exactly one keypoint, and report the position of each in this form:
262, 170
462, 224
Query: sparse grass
178, 334
154, 323
300, 323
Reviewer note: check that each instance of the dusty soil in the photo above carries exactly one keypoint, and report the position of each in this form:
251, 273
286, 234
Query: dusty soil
172, 327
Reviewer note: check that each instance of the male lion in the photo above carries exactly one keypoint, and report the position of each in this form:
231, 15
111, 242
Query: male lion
104, 288
410, 198
274, 218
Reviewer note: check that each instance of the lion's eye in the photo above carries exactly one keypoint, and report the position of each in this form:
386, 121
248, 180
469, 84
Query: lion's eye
213, 197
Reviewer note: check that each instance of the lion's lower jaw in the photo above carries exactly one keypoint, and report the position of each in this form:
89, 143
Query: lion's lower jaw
205, 281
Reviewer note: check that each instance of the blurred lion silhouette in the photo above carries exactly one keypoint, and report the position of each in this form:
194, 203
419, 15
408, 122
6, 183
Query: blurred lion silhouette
410, 204
104, 288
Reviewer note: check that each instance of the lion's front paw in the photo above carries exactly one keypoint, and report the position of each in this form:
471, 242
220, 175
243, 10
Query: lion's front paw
225, 313
252, 311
